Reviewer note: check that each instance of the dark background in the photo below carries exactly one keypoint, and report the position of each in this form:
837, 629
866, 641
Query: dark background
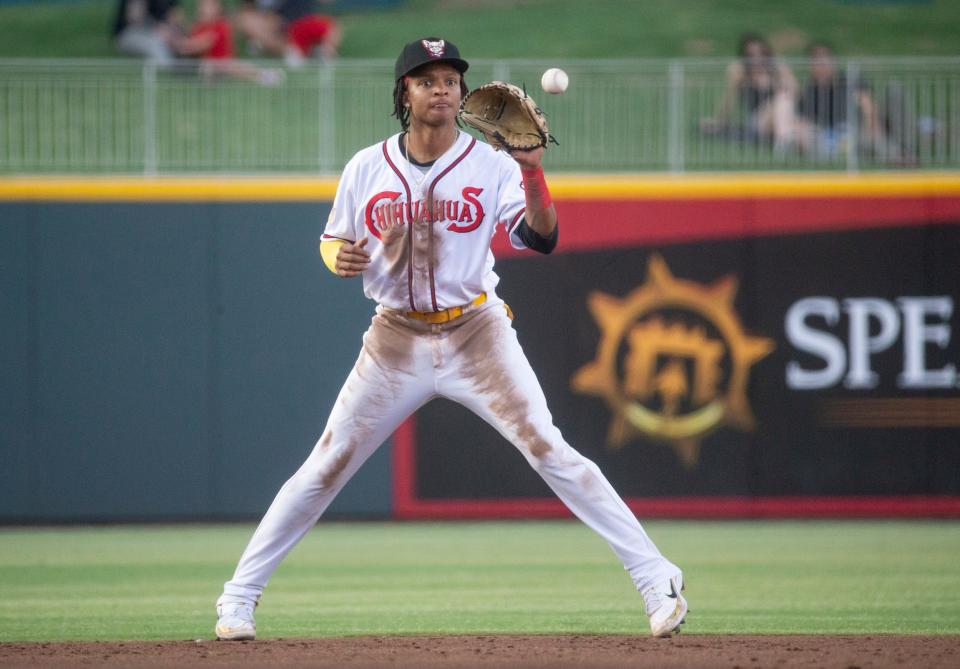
789, 453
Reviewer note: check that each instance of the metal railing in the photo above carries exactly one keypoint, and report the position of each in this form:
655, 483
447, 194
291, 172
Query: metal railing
618, 115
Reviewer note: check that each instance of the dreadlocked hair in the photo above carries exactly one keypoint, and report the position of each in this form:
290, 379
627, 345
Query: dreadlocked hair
402, 112
399, 110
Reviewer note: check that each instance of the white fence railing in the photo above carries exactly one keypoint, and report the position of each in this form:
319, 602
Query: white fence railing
623, 115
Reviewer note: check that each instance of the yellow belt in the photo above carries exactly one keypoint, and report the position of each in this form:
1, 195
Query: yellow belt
447, 315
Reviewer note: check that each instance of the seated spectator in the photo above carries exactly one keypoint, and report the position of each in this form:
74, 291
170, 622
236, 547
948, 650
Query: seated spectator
823, 106
211, 40
290, 28
765, 89
146, 28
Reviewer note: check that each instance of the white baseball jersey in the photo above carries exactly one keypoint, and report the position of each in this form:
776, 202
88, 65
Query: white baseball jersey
444, 259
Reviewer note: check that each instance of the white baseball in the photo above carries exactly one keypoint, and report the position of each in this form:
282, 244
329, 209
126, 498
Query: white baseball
554, 80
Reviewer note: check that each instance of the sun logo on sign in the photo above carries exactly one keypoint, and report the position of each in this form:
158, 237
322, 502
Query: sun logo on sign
673, 361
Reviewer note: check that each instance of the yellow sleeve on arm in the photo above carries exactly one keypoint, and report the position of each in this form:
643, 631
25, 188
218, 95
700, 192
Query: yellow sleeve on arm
328, 251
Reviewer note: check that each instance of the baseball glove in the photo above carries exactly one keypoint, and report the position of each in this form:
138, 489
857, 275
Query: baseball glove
507, 117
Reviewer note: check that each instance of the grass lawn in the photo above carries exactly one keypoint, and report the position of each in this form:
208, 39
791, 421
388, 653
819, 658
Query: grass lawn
160, 582
555, 28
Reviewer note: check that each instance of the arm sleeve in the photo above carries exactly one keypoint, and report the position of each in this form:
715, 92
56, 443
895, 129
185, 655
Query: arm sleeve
511, 202
329, 248
534, 240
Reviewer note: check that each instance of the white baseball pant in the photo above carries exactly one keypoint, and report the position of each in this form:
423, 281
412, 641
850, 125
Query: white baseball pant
477, 361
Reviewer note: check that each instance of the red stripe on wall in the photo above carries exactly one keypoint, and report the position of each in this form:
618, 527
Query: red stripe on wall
592, 225
404, 470
407, 505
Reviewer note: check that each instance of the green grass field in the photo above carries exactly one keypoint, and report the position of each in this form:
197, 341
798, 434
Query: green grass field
557, 28
160, 582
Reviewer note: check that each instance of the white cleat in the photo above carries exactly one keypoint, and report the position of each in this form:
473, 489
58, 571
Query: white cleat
235, 621
666, 607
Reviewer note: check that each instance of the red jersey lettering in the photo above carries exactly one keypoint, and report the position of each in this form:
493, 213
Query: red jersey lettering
470, 195
390, 195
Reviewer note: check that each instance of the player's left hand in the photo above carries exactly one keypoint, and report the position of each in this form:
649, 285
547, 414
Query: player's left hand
528, 159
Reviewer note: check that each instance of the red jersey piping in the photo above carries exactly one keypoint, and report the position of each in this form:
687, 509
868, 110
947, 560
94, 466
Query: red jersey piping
433, 289
406, 187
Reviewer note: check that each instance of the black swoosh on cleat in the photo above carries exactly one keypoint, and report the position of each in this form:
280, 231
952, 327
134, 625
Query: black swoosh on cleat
673, 591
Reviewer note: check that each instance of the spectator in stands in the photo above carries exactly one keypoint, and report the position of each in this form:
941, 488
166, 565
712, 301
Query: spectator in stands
766, 90
293, 29
147, 27
211, 40
823, 107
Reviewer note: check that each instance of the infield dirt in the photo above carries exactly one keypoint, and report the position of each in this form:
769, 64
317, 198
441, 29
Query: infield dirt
535, 652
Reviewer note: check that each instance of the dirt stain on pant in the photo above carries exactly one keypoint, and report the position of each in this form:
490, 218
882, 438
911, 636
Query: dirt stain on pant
389, 346
332, 463
482, 338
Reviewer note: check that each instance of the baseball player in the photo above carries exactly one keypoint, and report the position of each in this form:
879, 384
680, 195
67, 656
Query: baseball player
414, 215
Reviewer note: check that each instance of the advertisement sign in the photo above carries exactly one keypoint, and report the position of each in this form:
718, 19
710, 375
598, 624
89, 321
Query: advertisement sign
788, 360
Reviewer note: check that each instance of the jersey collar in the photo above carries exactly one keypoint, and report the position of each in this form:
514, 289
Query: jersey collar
461, 146
400, 145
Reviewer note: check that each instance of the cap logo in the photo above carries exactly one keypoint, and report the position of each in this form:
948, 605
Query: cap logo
435, 49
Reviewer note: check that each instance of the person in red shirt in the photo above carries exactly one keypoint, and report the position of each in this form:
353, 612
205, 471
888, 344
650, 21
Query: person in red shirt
294, 29
211, 40
211, 37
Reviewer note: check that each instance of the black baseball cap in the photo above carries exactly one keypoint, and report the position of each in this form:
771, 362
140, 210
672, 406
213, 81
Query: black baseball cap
428, 50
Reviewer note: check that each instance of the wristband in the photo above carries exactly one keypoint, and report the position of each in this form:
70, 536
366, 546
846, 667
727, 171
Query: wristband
535, 186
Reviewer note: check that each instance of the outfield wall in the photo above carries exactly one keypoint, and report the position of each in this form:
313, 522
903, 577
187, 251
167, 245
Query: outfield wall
773, 345
168, 359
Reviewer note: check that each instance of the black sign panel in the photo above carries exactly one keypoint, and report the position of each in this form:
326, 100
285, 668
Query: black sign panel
805, 365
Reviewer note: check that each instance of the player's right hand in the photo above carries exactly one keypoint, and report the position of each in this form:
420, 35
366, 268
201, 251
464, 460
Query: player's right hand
352, 258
